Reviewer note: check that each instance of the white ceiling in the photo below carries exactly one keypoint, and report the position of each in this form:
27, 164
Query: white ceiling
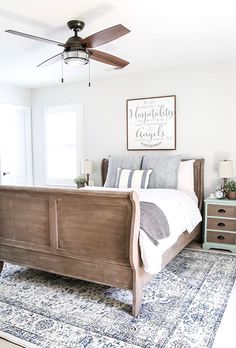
164, 33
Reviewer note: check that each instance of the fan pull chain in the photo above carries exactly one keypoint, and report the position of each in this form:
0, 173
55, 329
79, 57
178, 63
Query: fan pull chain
62, 78
89, 75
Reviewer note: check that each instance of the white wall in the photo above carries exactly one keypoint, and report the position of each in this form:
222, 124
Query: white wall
206, 113
10, 94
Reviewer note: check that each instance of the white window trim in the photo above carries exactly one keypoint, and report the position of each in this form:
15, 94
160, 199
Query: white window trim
79, 145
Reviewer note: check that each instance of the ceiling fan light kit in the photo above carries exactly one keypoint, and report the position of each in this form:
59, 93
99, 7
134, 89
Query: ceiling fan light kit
77, 51
76, 57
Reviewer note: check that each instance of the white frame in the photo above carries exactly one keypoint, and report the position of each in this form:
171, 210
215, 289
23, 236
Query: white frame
79, 118
151, 123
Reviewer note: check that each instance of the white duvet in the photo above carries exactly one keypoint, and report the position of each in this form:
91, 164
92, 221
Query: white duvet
182, 213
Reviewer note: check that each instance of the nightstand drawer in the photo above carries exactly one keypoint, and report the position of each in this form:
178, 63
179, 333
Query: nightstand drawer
221, 237
221, 210
221, 224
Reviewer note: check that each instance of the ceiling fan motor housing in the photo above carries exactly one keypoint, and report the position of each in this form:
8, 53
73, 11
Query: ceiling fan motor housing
74, 42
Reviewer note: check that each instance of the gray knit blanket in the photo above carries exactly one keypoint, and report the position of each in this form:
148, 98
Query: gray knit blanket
153, 222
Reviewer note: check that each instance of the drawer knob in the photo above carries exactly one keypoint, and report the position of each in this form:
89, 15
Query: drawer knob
221, 211
221, 224
221, 237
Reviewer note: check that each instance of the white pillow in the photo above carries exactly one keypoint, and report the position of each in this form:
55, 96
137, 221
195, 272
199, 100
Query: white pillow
186, 176
128, 178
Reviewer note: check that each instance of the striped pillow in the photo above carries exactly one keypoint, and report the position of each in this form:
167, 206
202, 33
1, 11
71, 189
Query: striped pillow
128, 178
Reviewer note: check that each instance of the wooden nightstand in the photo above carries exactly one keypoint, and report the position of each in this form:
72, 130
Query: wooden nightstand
220, 224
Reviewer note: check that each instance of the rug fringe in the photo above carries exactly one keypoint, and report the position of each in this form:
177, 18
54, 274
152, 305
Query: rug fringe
17, 340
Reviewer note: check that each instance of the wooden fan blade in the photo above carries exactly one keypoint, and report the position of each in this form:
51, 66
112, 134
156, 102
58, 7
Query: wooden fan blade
51, 60
108, 59
104, 36
38, 38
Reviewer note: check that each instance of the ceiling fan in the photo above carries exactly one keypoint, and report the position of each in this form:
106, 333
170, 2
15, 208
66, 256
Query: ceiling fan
78, 51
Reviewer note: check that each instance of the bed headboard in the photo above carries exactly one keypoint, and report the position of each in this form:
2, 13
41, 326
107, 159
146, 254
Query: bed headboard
198, 177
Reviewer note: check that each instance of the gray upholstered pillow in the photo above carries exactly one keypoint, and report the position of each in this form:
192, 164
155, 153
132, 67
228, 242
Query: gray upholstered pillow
164, 170
115, 162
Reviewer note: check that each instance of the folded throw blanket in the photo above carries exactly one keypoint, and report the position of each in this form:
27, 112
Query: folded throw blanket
153, 222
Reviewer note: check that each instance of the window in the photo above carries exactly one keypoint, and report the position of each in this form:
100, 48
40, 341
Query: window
63, 144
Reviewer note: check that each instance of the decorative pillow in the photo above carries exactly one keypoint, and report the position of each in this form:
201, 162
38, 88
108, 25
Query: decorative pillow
186, 176
164, 170
127, 178
115, 162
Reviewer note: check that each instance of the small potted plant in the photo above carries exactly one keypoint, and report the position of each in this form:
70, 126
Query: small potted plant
80, 181
230, 189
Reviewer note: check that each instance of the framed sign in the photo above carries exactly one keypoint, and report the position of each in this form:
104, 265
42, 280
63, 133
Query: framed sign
151, 123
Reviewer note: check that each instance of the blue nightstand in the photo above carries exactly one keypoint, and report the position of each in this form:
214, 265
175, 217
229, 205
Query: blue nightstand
220, 224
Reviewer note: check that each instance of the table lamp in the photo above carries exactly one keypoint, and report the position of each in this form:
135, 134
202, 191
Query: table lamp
87, 169
225, 170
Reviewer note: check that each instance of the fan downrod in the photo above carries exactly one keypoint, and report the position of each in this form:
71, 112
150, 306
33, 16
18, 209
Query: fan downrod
76, 25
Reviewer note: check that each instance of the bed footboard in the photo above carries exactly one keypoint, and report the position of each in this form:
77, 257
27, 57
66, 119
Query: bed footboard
90, 235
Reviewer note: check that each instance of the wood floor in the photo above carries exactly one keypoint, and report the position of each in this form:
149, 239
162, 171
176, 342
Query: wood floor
6, 344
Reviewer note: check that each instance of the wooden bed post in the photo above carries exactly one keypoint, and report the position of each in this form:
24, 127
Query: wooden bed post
137, 294
1, 266
135, 258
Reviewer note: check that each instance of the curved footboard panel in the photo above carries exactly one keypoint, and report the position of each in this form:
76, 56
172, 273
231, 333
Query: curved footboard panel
89, 235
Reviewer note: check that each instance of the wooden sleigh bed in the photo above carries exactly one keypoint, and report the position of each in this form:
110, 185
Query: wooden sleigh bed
90, 235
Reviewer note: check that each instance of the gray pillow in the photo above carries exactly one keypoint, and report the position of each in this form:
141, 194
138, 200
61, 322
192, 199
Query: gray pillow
164, 170
126, 162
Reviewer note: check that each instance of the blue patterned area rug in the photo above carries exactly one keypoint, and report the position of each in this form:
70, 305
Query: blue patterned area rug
182, 306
